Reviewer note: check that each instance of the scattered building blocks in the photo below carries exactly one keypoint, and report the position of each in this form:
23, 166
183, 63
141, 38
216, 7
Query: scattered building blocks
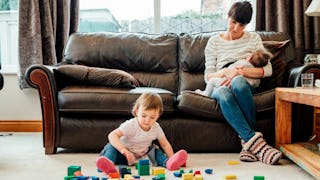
198, 177
69, 177
82, 177
94, 178
72, 169
143, 167
77, 173
161, 176
159, 170
114, 175
230, 177
208, 171
187, 176
144, 162
123, 170
177, 174
196, 172
258, 177
233, 162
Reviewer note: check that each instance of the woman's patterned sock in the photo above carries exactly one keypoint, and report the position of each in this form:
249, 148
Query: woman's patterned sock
245, 155
264, 152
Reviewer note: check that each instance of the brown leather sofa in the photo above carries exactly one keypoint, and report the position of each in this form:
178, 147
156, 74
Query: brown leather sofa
92, 91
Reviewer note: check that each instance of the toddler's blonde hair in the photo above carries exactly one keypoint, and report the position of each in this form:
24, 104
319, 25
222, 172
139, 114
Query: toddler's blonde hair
148, 101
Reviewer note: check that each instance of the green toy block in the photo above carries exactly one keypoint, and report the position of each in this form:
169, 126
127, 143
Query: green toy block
72, 169
258, 177
162, 176
70, 177
143, 170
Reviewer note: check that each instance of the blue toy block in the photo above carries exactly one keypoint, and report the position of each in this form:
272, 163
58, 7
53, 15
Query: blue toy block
144, 162
208, 171
177, 174
94, 178
124, 170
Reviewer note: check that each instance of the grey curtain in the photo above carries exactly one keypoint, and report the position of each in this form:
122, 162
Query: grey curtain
44, 26
288, 16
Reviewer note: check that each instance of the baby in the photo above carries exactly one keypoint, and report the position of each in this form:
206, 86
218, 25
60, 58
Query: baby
258, 58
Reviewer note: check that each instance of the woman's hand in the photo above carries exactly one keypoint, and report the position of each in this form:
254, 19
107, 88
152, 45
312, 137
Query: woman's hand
228, 75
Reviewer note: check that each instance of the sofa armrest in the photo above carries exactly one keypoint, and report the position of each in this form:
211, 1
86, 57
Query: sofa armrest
295, 73
42, 78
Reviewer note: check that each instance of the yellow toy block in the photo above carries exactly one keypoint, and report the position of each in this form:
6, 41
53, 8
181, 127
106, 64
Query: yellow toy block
198, 177
230, 177
233, 162
128, 177
187, 176
157, 171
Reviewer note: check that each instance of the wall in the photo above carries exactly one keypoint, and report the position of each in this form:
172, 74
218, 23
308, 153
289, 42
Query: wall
17, 104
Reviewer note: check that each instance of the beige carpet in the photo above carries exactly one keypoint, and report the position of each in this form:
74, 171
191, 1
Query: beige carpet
22, 157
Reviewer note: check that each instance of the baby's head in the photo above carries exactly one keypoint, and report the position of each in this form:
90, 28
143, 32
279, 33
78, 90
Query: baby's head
259, 58
148, 101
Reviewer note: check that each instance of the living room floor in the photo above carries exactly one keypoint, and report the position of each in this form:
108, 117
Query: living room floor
22, 156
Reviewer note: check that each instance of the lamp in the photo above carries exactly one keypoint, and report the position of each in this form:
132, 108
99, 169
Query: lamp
313, 9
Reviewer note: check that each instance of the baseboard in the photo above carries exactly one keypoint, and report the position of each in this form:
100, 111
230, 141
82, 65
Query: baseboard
21, 126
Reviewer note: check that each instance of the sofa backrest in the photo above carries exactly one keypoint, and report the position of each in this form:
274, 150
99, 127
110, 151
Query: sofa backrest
145, 56
192, 59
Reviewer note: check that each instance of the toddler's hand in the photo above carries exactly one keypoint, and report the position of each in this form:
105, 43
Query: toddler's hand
130, 157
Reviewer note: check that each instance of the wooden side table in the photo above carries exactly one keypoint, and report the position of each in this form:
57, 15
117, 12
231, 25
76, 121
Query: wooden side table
304, 154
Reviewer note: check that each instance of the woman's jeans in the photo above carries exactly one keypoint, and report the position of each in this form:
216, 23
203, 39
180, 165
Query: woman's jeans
155, 154
237, 106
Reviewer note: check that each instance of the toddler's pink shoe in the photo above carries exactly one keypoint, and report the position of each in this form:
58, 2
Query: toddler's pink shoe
177, 160
105, 165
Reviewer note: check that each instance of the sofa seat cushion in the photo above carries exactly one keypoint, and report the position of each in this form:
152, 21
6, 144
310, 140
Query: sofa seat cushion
107, 100
192, 103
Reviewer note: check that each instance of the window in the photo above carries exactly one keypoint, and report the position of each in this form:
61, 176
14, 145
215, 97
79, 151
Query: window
9, 35
155, 16
149, 16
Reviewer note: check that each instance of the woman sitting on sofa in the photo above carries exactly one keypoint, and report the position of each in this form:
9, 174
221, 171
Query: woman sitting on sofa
235, 95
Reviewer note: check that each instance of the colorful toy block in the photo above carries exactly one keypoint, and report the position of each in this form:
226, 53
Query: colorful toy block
233, 162
82, 177
177, 174
143, 167
77, 173
69, 177
198, 177
144, 162
187, 176
124, 170
94, 178
156, 171
161, 176
196, 172
258, 177
230, 177
208, 171
114, 175
72, 169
